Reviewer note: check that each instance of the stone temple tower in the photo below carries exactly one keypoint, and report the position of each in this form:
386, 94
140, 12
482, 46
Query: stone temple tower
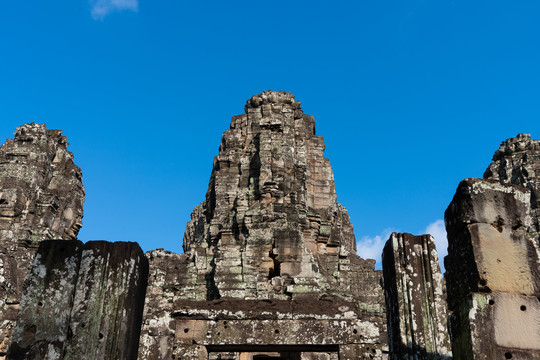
270, 255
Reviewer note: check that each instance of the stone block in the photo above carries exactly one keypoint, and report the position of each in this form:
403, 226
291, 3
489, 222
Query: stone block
278, 332
190, 352
360, 351
42, 326
108, 302
82, 299
491, 240
502, 259
493, 270
497, 326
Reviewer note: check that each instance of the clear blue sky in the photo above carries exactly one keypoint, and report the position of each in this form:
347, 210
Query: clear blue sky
410, 96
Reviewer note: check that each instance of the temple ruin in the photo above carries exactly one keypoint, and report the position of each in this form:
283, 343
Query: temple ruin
269, 256
269, 269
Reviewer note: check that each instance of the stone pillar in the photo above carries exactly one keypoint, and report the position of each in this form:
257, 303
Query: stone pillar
415, 300
167, 274
493, 272
82, 300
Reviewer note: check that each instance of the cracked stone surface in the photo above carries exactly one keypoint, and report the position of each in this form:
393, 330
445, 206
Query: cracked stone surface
41, 197
270, 229
415, 299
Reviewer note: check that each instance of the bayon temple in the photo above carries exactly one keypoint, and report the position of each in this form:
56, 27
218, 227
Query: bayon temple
269, 269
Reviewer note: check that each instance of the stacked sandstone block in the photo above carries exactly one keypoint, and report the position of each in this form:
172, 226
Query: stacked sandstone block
493, 272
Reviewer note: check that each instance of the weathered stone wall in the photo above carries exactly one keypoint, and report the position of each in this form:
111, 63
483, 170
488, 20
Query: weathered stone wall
41, 197
82, 301
493, 272
166, 275
270, 229
221, 325
415, 299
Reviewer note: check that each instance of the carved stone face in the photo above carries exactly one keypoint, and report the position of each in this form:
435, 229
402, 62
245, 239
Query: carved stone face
10, 204
40, 187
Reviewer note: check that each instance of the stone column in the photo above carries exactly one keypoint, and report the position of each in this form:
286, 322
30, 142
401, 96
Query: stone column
415, 300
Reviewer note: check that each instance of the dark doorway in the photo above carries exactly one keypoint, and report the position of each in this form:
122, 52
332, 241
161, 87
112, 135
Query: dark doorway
281, 355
